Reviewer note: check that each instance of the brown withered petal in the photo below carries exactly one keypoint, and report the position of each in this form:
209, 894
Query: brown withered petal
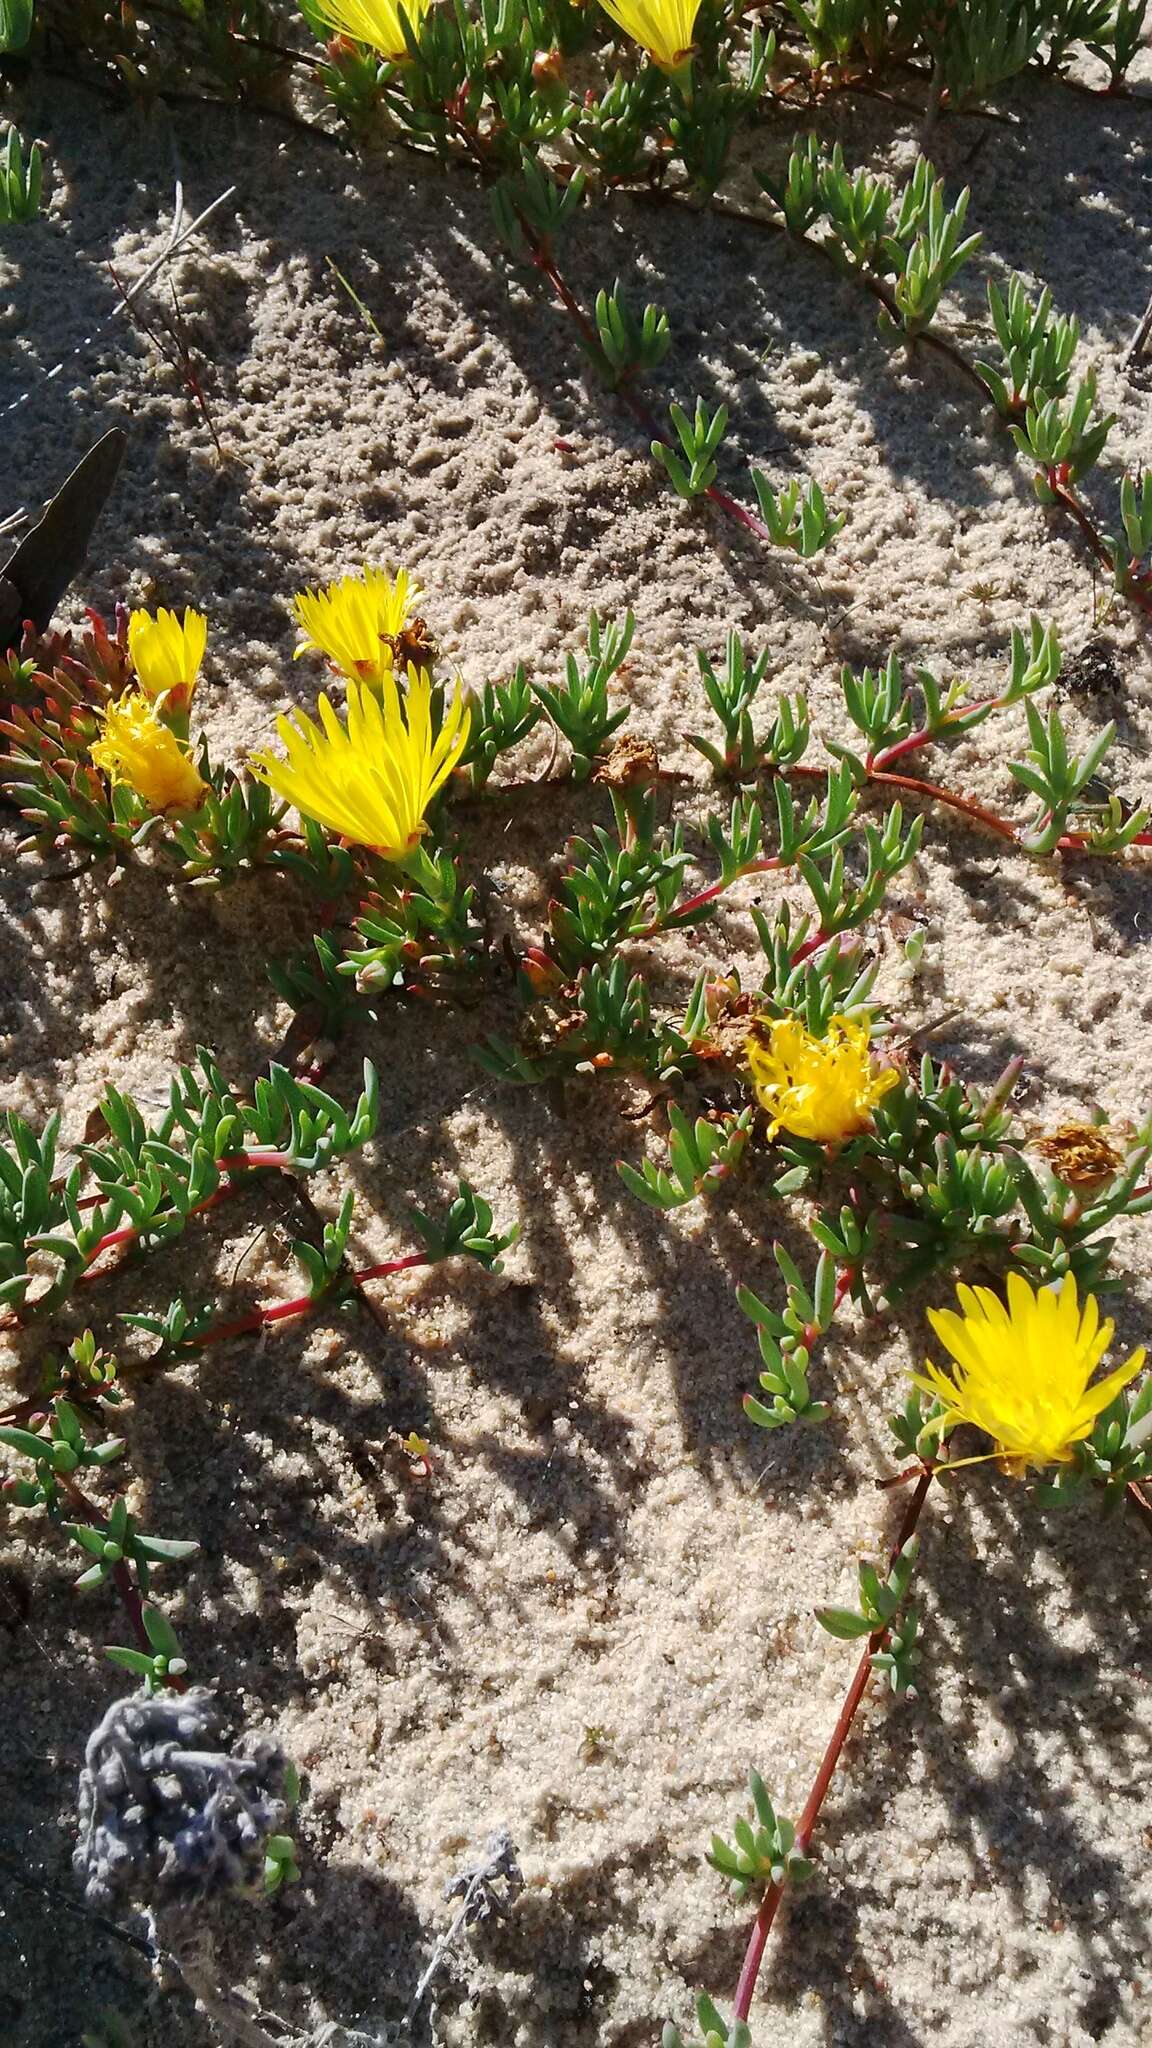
414, 643
1082, 1154
630, 760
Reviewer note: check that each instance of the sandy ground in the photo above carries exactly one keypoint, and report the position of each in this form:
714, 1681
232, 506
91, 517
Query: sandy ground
605, 1545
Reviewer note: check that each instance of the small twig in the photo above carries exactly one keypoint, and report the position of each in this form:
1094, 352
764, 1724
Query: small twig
171, 249
1139, 340
364, 312
1138, 1499
479, 1898
170, 340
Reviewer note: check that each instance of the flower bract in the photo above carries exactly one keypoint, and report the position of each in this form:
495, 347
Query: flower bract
138, 749
819, 1088
166, 653
372, 779
1022, 1369
355, 620
662, 27
376, 22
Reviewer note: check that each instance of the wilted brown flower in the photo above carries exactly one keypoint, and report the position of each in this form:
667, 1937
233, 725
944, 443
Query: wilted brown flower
629, 760
1082, 1154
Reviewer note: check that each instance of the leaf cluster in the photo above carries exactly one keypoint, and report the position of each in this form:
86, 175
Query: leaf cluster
465, 1231
21, 178
762, 1851
146, 1180
910, 243
715, 2032
879, 1615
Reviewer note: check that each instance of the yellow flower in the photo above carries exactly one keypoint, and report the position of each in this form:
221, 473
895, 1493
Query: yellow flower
374, 21
373, 779
820, 1088
166, 654
1021, 1372
137, 748
354, 621
662, 27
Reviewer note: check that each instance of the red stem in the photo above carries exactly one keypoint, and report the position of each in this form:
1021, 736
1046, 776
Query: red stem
257, 1318
232, 1164
770, 1904
387, 1266
935, 792
923, 737
955, 802
1068, 501
806, 1825
766, 866
810, 946
1137, 593
1069, 842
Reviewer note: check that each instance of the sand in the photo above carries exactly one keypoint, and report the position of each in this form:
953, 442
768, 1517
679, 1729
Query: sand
596, 1614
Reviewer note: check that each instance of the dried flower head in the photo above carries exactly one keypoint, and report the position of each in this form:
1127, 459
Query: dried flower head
138, 749
631, 762
662, 27
819, 1088
1083, 1155
166, 653
1022, 1369
376, 22
356, 621
372, 779
164, 1808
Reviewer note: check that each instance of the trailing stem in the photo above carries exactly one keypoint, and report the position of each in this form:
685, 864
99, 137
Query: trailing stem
936, 792
233, 1166
545, 263
1062, 493
305, 1304
806, 1825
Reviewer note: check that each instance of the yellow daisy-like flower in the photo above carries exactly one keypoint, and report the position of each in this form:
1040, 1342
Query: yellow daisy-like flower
372, 779
820, 1088
166, 653
662, 27
376, 22
354, 620
1022, 1370
137, 748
